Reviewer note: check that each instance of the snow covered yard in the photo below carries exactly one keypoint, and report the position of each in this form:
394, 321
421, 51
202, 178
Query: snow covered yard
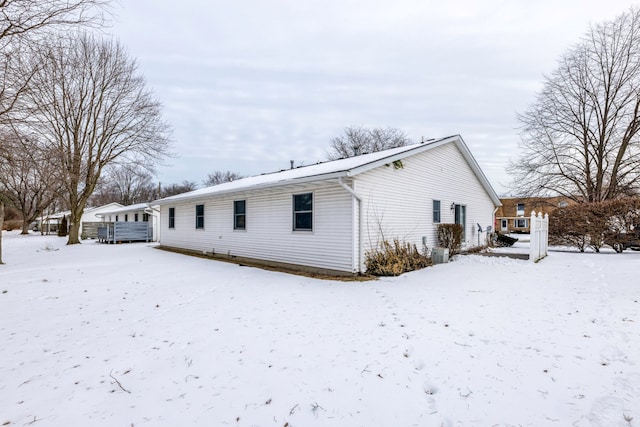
122, 335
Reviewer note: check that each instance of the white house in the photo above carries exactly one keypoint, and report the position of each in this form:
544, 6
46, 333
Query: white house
50, 222
327, 216
140, 212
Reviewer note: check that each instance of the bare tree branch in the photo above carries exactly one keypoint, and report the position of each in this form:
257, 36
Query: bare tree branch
580, 138
91, 105
28, 175
359, 140
219, 177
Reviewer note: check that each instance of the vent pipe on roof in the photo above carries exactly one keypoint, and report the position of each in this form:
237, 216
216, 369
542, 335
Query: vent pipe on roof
291, 163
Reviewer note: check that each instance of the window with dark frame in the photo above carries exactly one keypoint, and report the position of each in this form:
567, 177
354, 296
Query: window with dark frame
126, 217
135, 217
172, 217
436, 211
240, 215
145, 217
303, 212
199, 216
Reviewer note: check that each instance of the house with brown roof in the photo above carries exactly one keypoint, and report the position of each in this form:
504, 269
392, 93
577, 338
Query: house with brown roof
515, 213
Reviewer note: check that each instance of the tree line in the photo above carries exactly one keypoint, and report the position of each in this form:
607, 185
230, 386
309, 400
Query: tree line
78, 125
71, 103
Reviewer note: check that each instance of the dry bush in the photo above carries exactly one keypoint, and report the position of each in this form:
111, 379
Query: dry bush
450, 236
13, 224
595, 224
395, 259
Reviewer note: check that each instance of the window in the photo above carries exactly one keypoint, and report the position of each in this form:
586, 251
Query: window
145, 217
303, 211
126, 217
436, 211
135, 217
520, 209
172, 217
239, 214
116, 218
520, 223
199, 216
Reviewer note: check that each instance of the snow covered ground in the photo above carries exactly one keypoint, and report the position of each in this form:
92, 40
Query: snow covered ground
128, 335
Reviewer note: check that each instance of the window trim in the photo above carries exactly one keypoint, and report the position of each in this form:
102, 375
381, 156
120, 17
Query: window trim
200, 218
436, 213
524, 220
295, 213
237, 215
172, 218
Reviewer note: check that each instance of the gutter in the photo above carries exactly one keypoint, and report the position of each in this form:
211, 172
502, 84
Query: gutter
360, 231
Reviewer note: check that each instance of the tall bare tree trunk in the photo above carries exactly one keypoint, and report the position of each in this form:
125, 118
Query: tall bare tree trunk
74, 226
25, 227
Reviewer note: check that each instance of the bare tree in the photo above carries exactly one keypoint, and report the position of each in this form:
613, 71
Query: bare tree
359, 140
125, 184
29, 21
173, 189
19, 18
219, 177
580, 138
28, 174
23, 21
91, 104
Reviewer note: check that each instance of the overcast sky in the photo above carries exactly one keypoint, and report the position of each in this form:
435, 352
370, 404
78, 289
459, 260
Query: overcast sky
248, 85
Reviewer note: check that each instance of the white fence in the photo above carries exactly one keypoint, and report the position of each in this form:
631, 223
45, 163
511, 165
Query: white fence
539, 226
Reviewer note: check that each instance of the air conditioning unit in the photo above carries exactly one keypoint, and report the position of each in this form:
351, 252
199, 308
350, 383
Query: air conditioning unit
439, 255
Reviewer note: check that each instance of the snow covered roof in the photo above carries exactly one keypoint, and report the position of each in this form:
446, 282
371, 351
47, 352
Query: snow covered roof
130, 208
56, 215
333, 169
96, 209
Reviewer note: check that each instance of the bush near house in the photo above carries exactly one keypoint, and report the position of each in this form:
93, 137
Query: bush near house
612, 223
395, 259
450, 236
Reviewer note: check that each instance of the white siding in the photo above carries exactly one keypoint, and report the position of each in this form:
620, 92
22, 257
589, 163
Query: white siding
269, 223
397, 201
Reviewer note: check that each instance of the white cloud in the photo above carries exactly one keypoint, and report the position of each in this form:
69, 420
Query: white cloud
249, 85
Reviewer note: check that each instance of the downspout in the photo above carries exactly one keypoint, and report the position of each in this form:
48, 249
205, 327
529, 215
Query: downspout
493, 218
360, 239
151, 210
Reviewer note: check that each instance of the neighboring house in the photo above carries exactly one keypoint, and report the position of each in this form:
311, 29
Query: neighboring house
326, 217
514, 214
90, 216
50, 223
141, 213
